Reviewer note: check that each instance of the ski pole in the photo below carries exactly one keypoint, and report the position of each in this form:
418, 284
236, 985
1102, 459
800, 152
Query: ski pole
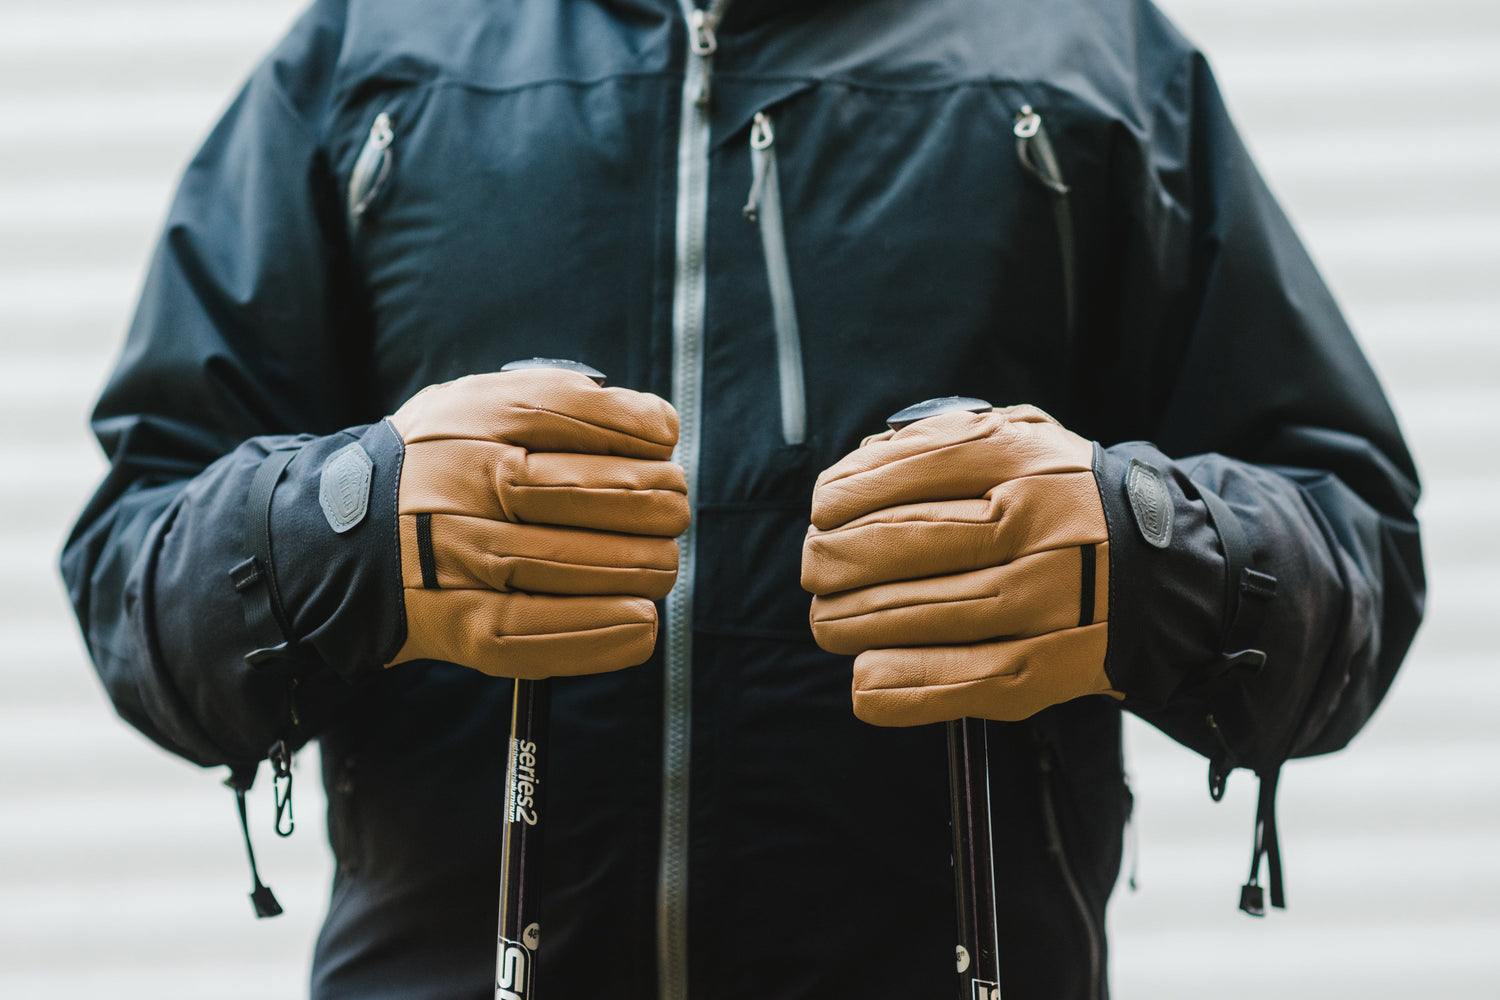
521, 841
969, 791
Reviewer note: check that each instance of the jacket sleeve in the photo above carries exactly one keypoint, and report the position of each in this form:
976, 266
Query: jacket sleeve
244, 343
1266, 575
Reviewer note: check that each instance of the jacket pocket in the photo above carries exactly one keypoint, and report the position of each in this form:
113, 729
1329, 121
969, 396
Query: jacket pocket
1038, 158
372, 169
764, 208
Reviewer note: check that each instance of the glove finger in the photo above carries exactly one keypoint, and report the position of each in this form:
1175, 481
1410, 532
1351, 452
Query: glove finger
473, 552
1007, 681
542, 410
1021, 516
955, 456
932, 432
1040, 593
528, 636
551, 468
599, 492
503, 483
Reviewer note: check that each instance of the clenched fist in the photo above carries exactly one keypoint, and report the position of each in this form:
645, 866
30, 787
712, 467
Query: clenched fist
537, 515
964, 562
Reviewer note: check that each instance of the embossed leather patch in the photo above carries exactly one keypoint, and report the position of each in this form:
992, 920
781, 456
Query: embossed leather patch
1151, 502
344, 490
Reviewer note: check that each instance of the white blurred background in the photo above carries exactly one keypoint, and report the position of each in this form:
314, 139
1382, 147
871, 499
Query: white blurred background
1376, 121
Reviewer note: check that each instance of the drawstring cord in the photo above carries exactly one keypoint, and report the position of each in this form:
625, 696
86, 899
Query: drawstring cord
1267, 845
261, 896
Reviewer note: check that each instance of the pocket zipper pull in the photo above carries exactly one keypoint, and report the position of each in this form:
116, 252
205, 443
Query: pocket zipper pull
371, 168
1039, 159
761, 139
1035, 150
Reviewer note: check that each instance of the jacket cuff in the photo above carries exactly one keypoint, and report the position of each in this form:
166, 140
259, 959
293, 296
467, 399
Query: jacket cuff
1166, 576
336, 549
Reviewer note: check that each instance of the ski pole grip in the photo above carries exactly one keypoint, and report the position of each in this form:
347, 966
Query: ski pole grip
561, 364
934, 407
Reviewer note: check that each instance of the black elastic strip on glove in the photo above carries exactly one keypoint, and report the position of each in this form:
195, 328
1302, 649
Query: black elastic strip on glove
1090, 557
425, 554
255, 577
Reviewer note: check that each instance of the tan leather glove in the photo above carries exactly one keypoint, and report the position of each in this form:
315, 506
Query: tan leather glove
964, 561
537, 514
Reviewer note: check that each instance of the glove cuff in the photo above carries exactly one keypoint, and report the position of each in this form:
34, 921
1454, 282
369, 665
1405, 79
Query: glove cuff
1166, 578
336, 551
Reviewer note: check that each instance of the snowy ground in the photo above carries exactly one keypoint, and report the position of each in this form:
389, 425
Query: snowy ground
121, 871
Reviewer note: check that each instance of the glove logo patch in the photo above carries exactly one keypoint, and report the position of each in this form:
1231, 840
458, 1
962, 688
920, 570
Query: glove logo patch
1151, 502
344, 490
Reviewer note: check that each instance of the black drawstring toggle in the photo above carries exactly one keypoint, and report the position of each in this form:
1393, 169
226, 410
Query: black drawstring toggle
1252, 896
261, 896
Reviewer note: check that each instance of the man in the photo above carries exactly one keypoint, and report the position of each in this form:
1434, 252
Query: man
789, 220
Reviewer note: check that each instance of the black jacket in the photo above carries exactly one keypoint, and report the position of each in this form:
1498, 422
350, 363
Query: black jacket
1027, 202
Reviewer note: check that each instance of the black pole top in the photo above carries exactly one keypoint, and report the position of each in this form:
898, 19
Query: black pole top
562, 363
933, 407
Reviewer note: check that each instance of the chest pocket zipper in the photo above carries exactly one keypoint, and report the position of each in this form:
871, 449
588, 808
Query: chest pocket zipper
764, 207
371, 170
1039, 159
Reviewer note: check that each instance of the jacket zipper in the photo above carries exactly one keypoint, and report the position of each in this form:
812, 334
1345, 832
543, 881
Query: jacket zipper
1056, 849
1034, 149
764, 206
371, 169
689, 306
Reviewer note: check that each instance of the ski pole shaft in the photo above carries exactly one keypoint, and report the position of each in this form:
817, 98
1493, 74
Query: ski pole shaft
969, 792
519, 930
973, 861
521, 843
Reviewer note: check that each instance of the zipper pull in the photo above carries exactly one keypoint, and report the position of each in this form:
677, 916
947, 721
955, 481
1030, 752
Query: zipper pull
1035, 150
703, 42
761, 139
1028, 123
372, 167
381, 132
702, 23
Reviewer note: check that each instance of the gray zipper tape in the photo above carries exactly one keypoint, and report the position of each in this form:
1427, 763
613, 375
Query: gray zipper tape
765, 207
689, 305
